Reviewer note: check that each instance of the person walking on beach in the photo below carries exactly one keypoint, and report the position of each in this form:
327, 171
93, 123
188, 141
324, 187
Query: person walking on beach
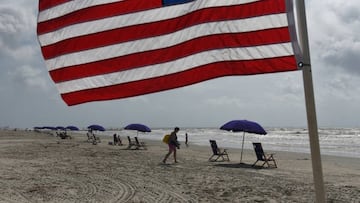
173, 144
186, 140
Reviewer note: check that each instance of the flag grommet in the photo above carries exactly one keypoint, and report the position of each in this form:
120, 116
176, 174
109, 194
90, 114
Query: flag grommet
301, 64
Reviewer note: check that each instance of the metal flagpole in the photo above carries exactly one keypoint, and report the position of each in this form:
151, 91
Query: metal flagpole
310, 104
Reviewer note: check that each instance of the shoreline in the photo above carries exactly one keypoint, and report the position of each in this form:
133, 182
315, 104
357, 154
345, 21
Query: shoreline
36, 167
269, 143
300, 144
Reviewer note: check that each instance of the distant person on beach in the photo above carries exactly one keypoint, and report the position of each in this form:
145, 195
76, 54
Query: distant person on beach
186, 140
173, 144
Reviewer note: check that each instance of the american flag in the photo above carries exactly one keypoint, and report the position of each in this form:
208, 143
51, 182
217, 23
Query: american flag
109, 49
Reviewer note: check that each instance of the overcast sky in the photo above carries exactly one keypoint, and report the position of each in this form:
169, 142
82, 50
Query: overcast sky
29, 97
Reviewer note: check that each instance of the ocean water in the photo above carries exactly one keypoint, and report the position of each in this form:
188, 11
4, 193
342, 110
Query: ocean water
333, 141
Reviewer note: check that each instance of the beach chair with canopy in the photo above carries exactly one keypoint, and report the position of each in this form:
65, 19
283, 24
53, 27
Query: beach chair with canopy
218, 153
268, 159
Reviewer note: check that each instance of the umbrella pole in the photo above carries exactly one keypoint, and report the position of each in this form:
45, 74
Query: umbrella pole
242, 147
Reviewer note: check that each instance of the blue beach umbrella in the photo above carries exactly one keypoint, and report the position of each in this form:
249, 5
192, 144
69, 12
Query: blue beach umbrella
49, 128
71, 127
60, 128
138, 127
96, 127
243, 126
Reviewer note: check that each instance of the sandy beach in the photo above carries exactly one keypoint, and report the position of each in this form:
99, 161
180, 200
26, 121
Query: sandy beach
37, 167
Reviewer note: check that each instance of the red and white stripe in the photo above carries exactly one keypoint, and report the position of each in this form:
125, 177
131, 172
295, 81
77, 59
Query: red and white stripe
106, 49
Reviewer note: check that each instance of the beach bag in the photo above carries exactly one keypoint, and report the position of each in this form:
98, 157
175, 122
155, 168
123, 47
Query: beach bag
166, 139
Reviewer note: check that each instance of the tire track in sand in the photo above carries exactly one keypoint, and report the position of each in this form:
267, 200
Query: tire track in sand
149, 190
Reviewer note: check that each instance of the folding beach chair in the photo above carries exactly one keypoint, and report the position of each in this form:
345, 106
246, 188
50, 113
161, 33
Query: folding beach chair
262, 156
139, 145
92, 138
96, 139
218, 153
130, 143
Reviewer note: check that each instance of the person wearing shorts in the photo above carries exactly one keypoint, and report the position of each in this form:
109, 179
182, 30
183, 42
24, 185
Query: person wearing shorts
173, 145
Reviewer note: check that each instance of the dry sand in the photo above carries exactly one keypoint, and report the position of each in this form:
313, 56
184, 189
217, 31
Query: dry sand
36, 167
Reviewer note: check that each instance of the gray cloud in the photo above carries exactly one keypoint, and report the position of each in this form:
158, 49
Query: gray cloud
336, 25
20, 53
